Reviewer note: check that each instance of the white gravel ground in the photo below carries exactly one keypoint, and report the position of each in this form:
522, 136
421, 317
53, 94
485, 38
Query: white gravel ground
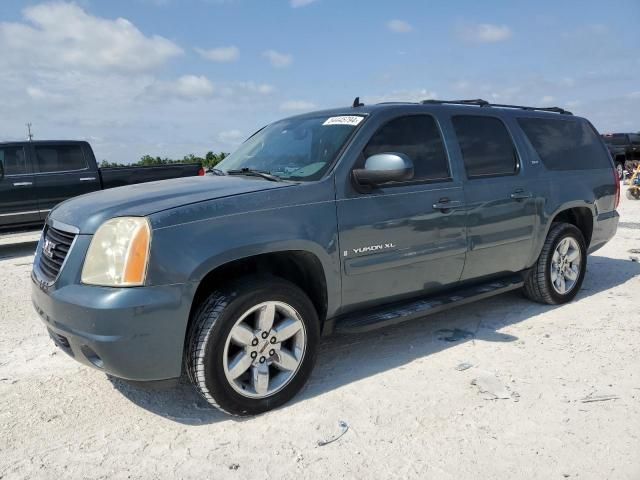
567, 380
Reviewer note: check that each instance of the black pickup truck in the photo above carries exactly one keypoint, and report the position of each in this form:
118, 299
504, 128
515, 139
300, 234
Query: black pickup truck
624, 149
35, 176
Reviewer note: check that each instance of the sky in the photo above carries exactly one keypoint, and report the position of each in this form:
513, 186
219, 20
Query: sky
173, 77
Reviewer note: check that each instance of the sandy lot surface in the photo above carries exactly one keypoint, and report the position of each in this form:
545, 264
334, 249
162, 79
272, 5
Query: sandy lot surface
567, 382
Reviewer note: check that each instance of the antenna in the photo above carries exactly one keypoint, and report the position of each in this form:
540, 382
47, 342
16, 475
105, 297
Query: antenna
29, 134
356, 103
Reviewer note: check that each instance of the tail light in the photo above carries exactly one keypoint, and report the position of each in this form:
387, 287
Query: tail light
201, 172
616, 181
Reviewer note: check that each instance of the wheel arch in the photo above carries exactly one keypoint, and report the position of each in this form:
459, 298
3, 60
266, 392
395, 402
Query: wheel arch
301, 267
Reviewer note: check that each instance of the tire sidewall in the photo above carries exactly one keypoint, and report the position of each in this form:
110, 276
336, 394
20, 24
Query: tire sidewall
241, 300
573, 232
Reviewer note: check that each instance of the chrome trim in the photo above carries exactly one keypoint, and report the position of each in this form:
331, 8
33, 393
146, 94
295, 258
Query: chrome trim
64, 227
36, 261
13, 214
22, 184
61, 171
87, 179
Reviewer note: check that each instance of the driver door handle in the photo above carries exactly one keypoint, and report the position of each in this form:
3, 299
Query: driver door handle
22, 184
521, 195
445, 204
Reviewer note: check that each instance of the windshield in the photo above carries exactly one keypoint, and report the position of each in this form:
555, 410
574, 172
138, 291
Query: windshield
294, 149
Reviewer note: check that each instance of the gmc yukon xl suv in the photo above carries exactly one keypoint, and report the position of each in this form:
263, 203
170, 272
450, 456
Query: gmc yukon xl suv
343, 221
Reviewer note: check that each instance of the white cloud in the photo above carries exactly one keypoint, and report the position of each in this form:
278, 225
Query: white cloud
220, 54
300, 3
64, 35
484, 33
399, 26
38, 94
297, 105
231, 137
414, 95
252, 87
278, 59
186, 87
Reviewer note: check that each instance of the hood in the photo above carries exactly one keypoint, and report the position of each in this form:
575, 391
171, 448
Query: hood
88, 212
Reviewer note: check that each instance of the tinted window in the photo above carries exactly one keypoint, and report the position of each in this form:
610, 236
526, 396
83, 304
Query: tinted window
13, 160
615, 139
418, 137
486, 146
565, 144
635, 138
60, 158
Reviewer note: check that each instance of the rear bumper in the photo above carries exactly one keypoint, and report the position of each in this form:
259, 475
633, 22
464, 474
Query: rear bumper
131, 333
605, 226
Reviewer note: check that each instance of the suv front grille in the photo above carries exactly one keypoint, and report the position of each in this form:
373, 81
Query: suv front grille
55, 247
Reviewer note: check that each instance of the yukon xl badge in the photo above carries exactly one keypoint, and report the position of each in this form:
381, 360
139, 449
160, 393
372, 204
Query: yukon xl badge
370, 248
48, 247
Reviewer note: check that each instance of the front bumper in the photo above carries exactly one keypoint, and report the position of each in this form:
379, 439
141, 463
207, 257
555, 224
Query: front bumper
131, 333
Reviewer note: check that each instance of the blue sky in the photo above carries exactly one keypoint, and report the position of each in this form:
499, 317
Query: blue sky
170, 77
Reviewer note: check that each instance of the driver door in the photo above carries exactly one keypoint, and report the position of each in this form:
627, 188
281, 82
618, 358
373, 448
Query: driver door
407, 238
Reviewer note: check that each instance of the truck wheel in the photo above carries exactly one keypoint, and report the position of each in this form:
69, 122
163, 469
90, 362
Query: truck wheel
558, 274
252, 346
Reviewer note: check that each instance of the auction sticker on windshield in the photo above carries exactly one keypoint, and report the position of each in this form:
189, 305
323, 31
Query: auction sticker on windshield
343, 120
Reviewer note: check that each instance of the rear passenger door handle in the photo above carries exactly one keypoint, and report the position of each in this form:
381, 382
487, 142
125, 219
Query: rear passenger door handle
444, 204
22, 184
87, 179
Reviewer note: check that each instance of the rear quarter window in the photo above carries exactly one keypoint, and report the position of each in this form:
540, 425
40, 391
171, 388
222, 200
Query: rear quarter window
565, 144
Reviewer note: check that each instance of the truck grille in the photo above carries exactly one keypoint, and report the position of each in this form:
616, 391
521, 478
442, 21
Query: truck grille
55, 247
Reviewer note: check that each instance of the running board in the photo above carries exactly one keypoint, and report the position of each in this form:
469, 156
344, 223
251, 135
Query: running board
410, 310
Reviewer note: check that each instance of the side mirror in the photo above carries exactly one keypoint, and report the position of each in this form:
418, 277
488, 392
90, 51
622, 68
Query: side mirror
383, 168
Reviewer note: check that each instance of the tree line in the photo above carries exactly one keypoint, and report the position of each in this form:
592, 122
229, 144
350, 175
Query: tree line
210, 160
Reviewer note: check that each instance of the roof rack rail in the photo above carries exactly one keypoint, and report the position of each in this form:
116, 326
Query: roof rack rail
483, 103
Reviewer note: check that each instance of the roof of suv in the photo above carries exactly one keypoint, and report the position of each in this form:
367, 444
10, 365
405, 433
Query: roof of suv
467, 106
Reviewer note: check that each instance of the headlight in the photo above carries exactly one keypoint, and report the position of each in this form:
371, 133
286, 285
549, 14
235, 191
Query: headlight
118, 254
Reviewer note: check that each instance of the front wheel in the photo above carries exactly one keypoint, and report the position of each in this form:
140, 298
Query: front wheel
559, 272
252, 346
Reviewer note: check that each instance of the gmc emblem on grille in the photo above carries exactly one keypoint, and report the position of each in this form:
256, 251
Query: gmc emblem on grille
48, 247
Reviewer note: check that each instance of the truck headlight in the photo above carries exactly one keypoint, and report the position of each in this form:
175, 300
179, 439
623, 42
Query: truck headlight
118, 254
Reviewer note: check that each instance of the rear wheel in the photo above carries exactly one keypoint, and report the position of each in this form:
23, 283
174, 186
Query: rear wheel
252, 346
559, 272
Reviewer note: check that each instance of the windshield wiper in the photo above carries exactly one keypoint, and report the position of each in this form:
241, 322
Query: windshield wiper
255, 173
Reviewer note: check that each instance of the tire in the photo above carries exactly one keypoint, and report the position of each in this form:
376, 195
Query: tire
214, 355
539, 285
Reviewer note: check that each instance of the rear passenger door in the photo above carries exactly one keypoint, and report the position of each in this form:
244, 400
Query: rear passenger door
402, 238
18, 204
62, 172
501, 210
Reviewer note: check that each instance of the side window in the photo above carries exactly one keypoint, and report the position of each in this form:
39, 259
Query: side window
418, 137
14, 160
487, 148
60, 158
635, 138
565, 144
